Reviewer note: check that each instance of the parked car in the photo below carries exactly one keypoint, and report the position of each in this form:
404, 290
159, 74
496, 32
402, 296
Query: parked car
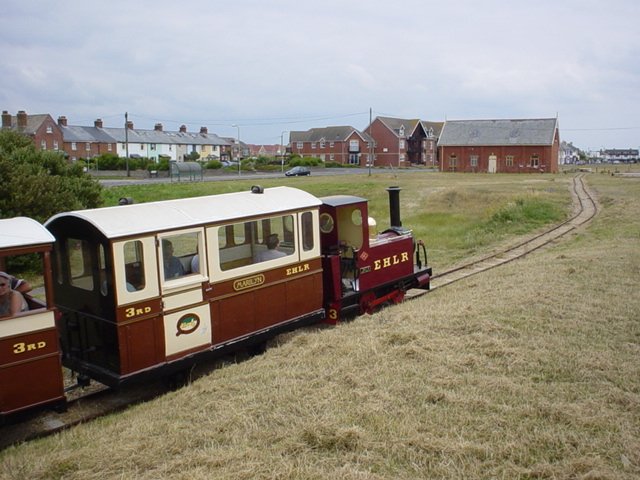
298, 171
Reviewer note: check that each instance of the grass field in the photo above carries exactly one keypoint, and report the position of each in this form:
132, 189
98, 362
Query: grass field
530, 371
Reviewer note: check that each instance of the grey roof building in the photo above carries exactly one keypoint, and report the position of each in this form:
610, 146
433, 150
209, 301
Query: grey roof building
498, 132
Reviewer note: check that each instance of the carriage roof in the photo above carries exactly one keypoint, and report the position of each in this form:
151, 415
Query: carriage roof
127, 220
22, 231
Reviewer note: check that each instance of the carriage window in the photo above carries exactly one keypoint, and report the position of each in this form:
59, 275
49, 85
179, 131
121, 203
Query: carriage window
26, 274
259, 241
102, 267
134, 265
177, 252
79, 258
307, 231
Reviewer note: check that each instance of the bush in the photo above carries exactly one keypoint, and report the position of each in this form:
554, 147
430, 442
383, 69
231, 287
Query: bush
39, 184
213, 164
295, 161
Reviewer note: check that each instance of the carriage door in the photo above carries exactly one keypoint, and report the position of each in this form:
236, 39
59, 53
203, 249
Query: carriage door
182, 271
493, 163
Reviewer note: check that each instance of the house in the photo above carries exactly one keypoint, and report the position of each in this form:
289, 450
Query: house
340, 144
505, 146
568, 153
402, 142
41, 128
274, 151
616, 155
85, 142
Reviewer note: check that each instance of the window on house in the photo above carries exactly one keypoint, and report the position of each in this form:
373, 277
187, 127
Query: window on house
401, 145
332, 157
74, 146
331, 144
322, 144
43, 145
55, 145
534, 161
87, 147
299, 145
509, 160
453, 160
354, 145
313, 145
108, 147
473, 160
49, 129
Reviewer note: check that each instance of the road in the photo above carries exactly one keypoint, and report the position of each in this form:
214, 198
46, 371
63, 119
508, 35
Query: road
226, 176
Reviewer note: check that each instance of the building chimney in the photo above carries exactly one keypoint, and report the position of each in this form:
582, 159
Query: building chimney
158, 127
62, 121
129, 124
6, 119
183, 129
97, 123
204, 130
22, 118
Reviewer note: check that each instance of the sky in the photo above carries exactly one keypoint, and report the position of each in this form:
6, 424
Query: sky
262, 68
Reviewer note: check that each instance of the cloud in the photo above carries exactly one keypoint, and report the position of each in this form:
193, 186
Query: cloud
281, 65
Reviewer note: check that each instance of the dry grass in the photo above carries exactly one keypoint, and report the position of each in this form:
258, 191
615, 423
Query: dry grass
528, 371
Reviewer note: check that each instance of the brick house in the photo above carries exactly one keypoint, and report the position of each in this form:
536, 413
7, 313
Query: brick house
85, 142
403, 142
343, 144
41, 128
505, 146
275, 151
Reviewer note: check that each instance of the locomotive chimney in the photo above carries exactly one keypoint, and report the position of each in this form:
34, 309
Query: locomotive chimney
394, 207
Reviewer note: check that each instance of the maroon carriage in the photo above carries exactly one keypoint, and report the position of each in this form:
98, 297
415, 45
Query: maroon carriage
30, 369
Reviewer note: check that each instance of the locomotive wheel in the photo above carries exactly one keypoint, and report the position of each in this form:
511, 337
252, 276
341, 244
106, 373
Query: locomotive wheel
367, 303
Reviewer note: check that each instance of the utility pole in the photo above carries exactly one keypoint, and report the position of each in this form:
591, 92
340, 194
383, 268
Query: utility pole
126, 141
281, 149
370, 143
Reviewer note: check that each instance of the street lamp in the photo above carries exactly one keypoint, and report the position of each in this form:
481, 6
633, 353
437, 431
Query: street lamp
281, 146
239, 148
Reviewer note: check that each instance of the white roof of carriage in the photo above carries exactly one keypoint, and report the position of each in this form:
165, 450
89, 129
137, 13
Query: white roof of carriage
23, 231
142, 218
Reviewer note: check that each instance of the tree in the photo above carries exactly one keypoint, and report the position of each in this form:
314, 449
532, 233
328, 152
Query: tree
39, 184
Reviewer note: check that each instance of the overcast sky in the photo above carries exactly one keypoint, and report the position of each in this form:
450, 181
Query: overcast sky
281, 65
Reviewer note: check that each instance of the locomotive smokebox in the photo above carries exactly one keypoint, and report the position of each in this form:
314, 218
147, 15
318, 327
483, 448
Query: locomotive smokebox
394, 207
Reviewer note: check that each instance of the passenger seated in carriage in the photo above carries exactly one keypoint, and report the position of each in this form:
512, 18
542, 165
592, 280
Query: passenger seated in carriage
11, 301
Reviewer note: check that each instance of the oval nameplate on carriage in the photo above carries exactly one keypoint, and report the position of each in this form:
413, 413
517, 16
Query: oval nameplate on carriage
249, 282
187, 324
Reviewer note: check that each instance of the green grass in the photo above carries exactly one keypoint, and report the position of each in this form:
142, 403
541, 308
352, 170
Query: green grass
456, 215
528, 371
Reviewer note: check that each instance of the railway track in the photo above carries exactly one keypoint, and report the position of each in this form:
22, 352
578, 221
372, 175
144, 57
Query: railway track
585, 208
88, 404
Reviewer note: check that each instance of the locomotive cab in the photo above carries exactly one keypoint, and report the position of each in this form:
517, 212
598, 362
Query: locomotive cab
363, 268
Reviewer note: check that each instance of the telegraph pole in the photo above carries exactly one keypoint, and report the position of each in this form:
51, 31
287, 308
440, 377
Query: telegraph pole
126, 140
370, 143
